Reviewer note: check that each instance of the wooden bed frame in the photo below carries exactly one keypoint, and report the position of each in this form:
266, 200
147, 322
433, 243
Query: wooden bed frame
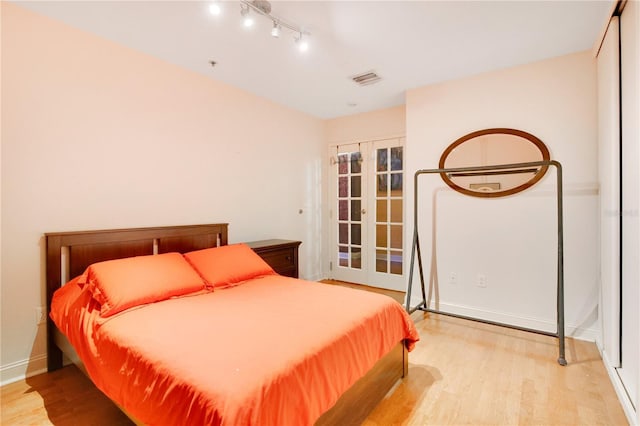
75, 251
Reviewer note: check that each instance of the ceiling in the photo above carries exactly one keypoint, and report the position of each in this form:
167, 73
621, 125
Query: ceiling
408, 44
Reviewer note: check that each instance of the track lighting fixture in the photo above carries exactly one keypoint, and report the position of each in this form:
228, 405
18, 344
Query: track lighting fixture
249, 9
247, 19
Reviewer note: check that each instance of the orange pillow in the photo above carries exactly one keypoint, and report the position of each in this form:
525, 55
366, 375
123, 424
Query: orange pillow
226, 266
123, 283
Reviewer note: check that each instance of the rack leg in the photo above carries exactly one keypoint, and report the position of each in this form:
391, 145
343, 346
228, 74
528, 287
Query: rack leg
413, 257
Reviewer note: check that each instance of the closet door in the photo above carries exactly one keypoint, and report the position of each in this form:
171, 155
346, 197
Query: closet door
609, 171
630, 111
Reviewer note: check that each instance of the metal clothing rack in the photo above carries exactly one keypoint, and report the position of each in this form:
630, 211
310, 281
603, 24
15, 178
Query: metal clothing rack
492, 170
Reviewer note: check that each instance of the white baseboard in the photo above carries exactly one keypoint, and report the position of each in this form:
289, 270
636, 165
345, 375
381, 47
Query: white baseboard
622, 394
315, 277
22, 369
577, 332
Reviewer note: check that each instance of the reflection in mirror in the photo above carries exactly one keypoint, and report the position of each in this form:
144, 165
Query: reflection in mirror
493, 147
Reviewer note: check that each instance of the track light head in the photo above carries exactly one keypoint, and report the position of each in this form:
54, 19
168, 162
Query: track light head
275, 31
247, 19
215, 9
302, 43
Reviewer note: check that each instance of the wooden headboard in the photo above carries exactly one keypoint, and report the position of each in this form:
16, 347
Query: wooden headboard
75, 251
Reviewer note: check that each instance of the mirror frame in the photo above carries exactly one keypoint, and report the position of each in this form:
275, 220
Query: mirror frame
534, 140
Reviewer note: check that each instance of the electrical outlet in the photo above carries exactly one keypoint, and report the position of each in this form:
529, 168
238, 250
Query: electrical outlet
41, 315
481, 280
453, 278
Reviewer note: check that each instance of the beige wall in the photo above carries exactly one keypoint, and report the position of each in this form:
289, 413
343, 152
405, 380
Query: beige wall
380, 124
512, 240
95, 136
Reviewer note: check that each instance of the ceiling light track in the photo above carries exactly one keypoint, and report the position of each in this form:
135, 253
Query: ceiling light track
263, 7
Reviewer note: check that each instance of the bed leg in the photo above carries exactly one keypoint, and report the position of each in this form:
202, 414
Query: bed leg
54, 354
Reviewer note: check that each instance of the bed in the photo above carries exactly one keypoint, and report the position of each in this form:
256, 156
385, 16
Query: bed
248, 347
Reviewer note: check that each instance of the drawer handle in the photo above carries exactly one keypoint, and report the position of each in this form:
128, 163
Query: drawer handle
288, 257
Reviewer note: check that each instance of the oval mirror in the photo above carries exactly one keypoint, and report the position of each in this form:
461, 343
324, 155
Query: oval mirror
492, 147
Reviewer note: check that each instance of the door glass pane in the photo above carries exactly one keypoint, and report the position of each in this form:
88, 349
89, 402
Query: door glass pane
343, 164
356, 210
356, 162
343, 256
396, 262
396, 158
382, 185
355, 233
343, 187
396, 236
396, 211
356, 257
396, 184
343, 209
381, 261
381, 236
343, 233
381, 210
382, 160
356, 188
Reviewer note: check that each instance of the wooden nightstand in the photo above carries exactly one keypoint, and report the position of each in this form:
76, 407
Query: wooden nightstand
281, 255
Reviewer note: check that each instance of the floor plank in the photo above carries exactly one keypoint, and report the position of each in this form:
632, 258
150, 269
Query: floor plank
460, 373
65, 397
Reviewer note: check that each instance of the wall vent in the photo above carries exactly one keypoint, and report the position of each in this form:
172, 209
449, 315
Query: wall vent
366, 78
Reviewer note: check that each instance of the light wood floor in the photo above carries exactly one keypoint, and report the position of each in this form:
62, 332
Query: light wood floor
460, 373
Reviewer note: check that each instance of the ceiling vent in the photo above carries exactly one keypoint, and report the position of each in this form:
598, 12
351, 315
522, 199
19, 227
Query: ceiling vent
366, 78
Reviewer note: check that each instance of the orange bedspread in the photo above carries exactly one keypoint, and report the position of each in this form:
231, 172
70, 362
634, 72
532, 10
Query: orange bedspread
272, 351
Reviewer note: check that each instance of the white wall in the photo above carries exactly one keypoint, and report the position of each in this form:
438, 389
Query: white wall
97, 136
512, 240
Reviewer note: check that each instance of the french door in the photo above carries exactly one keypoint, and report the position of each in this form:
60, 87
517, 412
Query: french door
367, 213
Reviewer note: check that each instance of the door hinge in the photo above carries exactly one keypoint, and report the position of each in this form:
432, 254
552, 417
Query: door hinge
331, 266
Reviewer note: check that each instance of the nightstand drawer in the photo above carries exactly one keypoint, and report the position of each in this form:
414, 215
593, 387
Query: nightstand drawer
280, 258
281, 255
